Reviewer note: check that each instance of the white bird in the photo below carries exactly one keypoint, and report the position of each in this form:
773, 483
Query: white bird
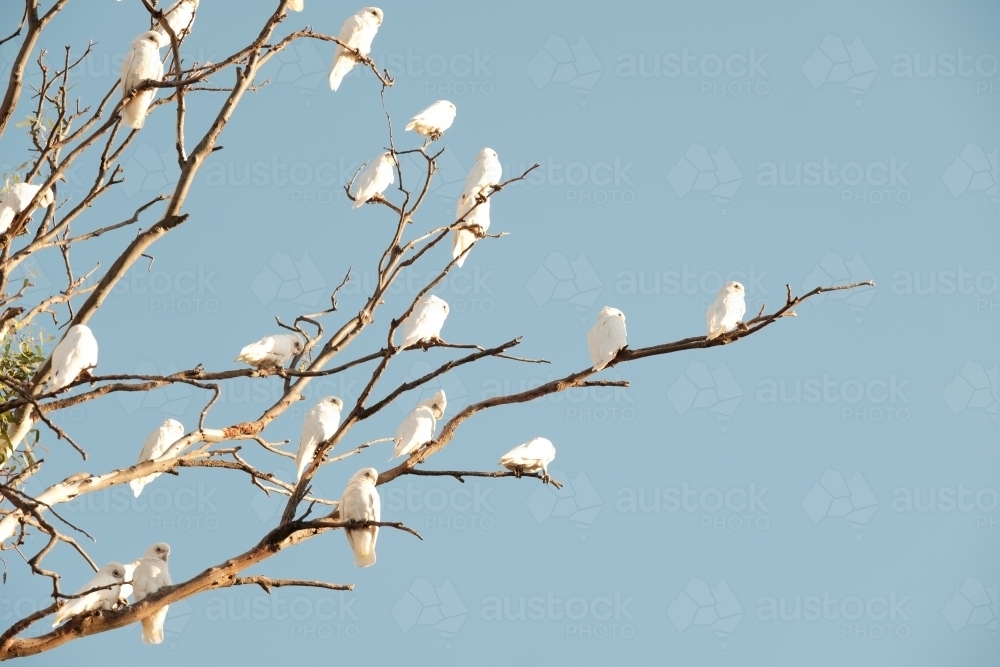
150, 575
426, 320
17, 198
360, 502
438, 402
533, 456
373, 181
142, 62
272, 351
357, 33
296, 5
606, 337
434, 120
416, 430
156, 444
180, 18
320, 424
477, 221
484, 174
112, 575
727, 311
75, 354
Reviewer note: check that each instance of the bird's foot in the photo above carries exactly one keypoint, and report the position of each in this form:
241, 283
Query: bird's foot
742, 326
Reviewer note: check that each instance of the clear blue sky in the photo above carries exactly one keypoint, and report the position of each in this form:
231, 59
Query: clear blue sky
766, 503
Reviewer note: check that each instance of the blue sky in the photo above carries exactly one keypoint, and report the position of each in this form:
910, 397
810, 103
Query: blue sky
843, 464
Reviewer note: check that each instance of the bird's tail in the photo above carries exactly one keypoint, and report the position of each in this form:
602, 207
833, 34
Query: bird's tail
362, 541
22, 429
134, 111
152, 626
341, 66
463, 240
409, 126
139, 484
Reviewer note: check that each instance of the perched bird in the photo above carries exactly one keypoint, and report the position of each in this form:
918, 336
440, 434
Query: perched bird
156, 444
373, 181
533, 456
142, 62
180, 18
296, 5
727, 311
150, 575
357, 33
438, 402
606, 337
426, 320
111, 575
484, 174
360, 502
320, 424
272, 351
477, 221
17, 198
75, 354
434, 120
416, 430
